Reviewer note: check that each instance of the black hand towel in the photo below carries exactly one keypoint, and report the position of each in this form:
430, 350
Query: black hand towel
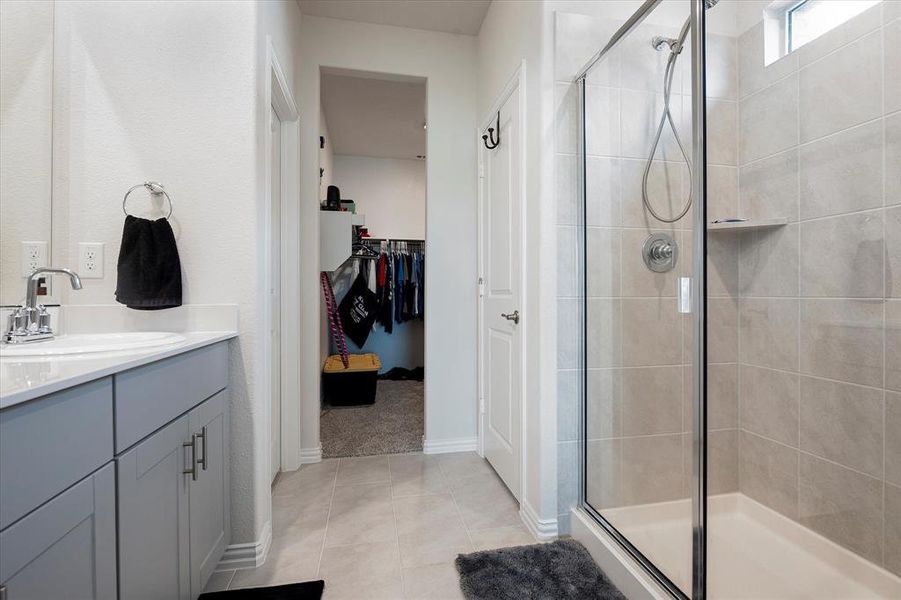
149, 268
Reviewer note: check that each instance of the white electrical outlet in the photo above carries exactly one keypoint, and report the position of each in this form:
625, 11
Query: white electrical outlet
34, 256
90, 260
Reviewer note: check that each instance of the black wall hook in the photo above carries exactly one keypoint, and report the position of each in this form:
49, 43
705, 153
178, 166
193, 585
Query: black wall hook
490, 135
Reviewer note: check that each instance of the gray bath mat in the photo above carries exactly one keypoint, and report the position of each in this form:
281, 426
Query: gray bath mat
555, 571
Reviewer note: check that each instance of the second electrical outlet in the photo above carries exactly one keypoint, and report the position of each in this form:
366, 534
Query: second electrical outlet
90, 260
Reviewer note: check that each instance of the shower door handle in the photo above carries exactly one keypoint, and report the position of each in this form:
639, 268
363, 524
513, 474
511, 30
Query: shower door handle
683, 295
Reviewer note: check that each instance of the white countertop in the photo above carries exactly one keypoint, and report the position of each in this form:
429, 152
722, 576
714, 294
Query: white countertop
25, 379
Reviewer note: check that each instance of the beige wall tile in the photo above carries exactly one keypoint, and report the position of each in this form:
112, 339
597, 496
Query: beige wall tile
891, 10
722, 67
754, 75
722, 192
892, 35
893, 345
843, 340
602, 191
723, 251
893, 438
651, 333
893, 529
842, 423
652, 400
602, 122
849, 257
722, 131
843, 505
893, 252
768, 121
569, 255
640, 119
722, 330
769, 403
723, 458
604, 335
667, 193
844, 90
842, 173
603, 466
769, 473
652, 468
722, 397
768, 262
577, 38
769, 332
768, 189
643, 70
566, 118
604, 403
893, 160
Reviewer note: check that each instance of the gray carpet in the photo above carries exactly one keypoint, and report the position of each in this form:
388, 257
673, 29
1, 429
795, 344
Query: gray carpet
394, 424
555, 571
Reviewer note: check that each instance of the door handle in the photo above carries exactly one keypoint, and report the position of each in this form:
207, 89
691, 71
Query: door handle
193, 445
202, 436
514, 316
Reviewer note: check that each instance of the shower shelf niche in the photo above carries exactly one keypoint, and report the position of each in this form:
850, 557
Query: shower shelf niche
747, 225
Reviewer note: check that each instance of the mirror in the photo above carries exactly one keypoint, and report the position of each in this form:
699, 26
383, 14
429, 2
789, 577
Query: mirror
26, 137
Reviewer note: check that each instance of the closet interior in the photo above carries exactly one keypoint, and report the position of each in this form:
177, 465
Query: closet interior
373, 261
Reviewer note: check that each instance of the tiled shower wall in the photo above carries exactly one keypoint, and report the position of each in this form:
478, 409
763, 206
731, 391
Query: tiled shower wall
639, 347
820, 298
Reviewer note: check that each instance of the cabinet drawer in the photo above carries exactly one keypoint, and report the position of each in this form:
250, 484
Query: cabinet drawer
48, 444
151, 396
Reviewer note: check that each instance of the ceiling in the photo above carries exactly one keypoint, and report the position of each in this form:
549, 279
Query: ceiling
371, 115
450, 16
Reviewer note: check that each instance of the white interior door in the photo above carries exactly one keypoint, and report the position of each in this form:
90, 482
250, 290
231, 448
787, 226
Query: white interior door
275, 150
501, 323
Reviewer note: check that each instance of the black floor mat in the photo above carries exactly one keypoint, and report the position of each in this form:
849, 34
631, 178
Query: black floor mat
308, 590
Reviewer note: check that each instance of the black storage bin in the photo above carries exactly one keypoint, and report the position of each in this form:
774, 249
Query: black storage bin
352, 385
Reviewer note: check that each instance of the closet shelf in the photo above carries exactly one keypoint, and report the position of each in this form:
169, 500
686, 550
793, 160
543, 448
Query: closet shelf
747, 225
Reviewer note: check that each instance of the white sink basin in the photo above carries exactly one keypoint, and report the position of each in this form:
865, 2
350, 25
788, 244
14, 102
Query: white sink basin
82, 344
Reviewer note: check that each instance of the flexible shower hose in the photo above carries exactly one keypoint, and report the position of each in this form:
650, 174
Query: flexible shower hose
665, 118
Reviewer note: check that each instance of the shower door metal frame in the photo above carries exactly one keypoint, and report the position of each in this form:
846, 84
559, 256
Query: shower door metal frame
698, 298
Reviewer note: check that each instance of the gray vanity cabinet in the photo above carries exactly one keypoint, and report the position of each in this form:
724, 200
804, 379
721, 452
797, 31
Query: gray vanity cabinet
67, 547
153, 516
173, 505
209, 493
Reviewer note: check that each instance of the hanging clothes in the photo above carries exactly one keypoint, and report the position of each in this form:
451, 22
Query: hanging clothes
397, 278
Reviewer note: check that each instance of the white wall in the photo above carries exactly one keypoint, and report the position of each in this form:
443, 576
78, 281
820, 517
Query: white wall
448, 63
513, 32
326, 157
389, 191
26, 94
134, 106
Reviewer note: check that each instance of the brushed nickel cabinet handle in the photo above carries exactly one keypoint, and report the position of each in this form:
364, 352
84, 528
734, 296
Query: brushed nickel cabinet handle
202, 436
193, 445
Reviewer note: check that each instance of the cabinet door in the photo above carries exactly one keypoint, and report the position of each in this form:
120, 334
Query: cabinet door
67, 547
209, 493
153, 516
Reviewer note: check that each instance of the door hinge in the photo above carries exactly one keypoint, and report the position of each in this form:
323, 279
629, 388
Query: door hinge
481, 287
481, 406
481, 171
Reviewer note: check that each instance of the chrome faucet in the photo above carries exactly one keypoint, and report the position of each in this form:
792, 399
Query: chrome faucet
31, 321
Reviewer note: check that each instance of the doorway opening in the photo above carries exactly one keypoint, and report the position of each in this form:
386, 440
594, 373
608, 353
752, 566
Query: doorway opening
373, 251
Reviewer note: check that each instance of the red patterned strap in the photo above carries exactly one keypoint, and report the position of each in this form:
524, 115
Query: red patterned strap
334, 319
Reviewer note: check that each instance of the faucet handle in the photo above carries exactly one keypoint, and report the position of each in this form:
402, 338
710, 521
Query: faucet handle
43, 320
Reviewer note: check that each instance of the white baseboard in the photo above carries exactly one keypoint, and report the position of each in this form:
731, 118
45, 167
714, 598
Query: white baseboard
445, 446
542, 529
309, 456
249, 555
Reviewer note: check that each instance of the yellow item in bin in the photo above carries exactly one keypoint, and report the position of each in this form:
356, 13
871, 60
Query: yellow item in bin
356, 363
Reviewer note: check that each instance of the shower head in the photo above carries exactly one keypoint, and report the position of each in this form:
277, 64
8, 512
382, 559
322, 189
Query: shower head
708, 4
674, 45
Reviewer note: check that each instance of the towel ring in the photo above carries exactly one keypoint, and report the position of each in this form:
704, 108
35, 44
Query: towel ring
154, 188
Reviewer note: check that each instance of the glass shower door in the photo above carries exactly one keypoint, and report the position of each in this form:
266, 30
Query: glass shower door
639, 342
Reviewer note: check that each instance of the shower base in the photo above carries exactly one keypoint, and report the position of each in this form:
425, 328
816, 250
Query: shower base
753, 552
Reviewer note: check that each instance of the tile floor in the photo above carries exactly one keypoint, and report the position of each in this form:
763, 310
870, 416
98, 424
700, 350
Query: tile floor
387, 527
